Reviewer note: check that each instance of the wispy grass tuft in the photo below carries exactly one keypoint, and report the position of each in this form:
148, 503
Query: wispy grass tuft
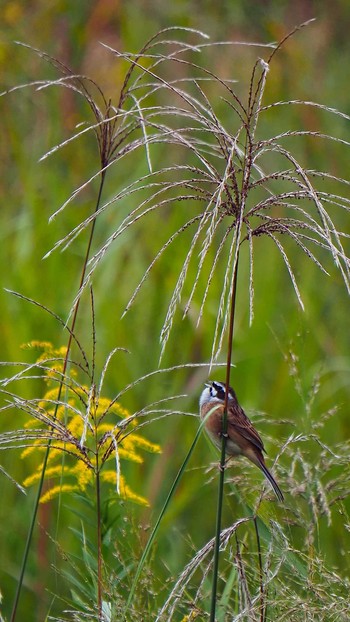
234, 187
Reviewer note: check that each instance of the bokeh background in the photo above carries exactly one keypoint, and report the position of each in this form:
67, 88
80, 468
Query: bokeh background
286, 356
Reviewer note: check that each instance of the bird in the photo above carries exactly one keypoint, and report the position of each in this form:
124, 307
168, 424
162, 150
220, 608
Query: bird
242, 438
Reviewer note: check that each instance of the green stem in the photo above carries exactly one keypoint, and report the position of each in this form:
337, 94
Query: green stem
46, 457
99, 545
223, 451
261, 573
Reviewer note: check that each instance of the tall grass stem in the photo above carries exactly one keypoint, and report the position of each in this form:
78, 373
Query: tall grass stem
223, 450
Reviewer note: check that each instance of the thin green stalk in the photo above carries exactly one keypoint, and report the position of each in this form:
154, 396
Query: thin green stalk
46, 457
99, 543
223, 452
261, 574
97, 467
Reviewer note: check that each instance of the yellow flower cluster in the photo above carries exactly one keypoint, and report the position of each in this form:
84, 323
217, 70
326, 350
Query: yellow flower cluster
84, 431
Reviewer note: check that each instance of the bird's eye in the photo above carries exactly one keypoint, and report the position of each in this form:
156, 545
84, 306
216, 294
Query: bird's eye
218, 390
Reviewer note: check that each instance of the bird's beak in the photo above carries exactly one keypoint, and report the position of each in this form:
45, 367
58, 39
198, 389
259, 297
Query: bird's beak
207, 384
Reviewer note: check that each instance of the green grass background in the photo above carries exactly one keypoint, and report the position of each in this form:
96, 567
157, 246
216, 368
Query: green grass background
277, 359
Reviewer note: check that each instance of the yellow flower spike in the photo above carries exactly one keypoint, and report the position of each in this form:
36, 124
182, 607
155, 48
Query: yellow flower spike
103, 404
62, 351
129, 455
50, 394
190, 617
29, 450
54, 492
105, 427
76, 425
38, 345
119, 410
128, 494
143, 443
54, 471
125, 491
106, 407
83, 474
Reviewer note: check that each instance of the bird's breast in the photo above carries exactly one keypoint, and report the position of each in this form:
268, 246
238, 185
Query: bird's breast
213, 426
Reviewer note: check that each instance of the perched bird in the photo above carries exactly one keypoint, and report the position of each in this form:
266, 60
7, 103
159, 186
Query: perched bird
242, 438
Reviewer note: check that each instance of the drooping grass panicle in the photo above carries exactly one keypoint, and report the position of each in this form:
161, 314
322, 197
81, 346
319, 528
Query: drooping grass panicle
197, 562
245, 169
227, 171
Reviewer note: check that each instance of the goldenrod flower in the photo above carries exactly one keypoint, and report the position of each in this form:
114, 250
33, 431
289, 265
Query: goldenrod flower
82, 440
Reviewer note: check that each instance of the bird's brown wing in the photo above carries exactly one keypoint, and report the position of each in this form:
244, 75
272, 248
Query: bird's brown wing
238, 422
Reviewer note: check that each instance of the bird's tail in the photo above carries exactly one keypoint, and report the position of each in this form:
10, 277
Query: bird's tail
268, 475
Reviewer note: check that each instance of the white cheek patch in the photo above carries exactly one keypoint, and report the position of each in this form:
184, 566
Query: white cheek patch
205, 397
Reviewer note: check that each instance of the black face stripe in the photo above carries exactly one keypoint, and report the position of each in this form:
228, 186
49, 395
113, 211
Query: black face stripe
217, 389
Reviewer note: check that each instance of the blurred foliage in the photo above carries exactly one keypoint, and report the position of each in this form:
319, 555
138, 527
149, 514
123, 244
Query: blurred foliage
292, 365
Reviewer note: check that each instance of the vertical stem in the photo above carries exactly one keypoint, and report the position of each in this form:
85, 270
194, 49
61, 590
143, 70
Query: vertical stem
46, 457
262, 595
99, 543
223, 450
